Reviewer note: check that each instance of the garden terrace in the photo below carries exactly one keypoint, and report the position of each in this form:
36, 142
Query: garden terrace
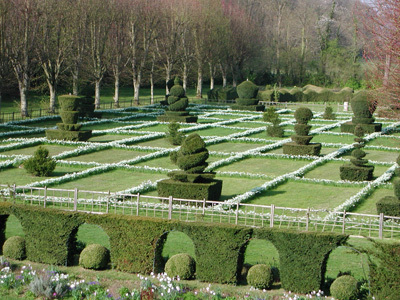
128, 155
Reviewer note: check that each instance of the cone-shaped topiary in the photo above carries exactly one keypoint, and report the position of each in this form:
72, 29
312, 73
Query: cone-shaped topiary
191, 182
345, 288
328, 114
174, 136
14, 248
363, 108
260, 276
182, 265
301, 140
358, 170
270, 115
247, 92
95, 257
40, 164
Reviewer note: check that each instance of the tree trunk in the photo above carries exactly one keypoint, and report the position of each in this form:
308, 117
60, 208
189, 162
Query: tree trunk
211, 76
167, 77
199, 82
52, 106
185, 76
75, 81
223, 73
116, 90
97, 94
151, 90
387, 70
136, 89
24, 103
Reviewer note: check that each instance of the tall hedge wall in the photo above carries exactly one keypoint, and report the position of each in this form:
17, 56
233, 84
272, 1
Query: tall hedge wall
136, 244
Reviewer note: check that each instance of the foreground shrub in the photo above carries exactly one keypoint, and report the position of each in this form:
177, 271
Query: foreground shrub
95, 257
40, 164
14, 248
260, 276
345, 288
182, 265
50, 285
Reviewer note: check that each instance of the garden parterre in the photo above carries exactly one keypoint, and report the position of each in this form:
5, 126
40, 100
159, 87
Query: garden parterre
129, 153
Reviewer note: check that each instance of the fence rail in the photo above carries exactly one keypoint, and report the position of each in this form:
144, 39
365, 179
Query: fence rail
376, 226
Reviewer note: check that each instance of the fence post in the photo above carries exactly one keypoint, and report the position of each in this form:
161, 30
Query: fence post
204, 206
308, 218
237, 212
344, 222
12, 116
170, 208
271, 221
381, 225
40, 112
45, 197
76, 199
137, 203
108, 201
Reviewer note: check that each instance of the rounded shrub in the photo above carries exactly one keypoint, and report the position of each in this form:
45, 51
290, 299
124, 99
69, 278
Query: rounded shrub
182, 265
247, 90
177, 91
95, 257
40, 164
345, 288
260, 276
303, 115
14, 248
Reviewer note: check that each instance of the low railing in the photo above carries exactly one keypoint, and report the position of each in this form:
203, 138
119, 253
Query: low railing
376, 226
340, 107
33, 113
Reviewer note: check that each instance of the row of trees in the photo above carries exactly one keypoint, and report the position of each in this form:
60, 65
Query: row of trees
287, 41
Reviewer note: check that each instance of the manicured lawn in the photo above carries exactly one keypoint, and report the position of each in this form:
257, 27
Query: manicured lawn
233, 147
108, 156
53, 150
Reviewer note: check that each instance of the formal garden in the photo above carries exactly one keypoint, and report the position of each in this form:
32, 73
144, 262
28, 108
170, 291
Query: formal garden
251, 195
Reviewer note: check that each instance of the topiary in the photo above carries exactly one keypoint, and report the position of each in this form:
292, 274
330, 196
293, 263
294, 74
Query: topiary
328, 114
345, 288
303, 115
247, 90
182, 265
270, 115
177, 101
40, 164
95, 257
260, 276
174, 136
14, 248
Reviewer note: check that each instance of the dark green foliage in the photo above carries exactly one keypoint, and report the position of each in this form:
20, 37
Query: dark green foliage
296, 149
384, 263
396, 187
69, 117
69, 102
328, 114
303, 115
14, 248
245, 102
345, 288
356, 173
86, 107
80, 135
302, 129
40, 164
275, 131
359, 131
368, 128
177, 91
301, 140
69, 127
270, 115
190, 189
362, 106
247, 90
248, 107
302, 256
3, 221
222, 93
182, 265
179, 105
94, 256
181, 118
389, 206
174, 136
260, 277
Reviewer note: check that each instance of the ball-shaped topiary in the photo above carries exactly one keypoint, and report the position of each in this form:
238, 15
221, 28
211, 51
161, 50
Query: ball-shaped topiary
260, 276
345, 288
95, 257
14, 248
182, 265
303, 115
247, 90
40, 164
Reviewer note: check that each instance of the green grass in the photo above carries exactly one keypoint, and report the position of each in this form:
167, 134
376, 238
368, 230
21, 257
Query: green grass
53, 150
108, 156
233, 147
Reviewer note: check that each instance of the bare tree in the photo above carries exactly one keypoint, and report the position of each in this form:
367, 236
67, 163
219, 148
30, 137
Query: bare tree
21, 40
53, 43
4, 63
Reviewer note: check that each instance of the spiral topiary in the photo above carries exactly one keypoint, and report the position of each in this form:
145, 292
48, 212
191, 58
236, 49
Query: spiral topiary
94, 257
177, 101
345, 288
260, 276
182, 265
14, 248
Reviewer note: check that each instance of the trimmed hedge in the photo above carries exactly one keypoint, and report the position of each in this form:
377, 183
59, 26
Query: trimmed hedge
94, 257
296, 149
14, 248
260, 276
188, 190
222, 93
136, 244
345, 288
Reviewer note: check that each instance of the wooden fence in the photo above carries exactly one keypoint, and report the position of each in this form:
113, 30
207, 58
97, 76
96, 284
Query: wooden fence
375, 226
